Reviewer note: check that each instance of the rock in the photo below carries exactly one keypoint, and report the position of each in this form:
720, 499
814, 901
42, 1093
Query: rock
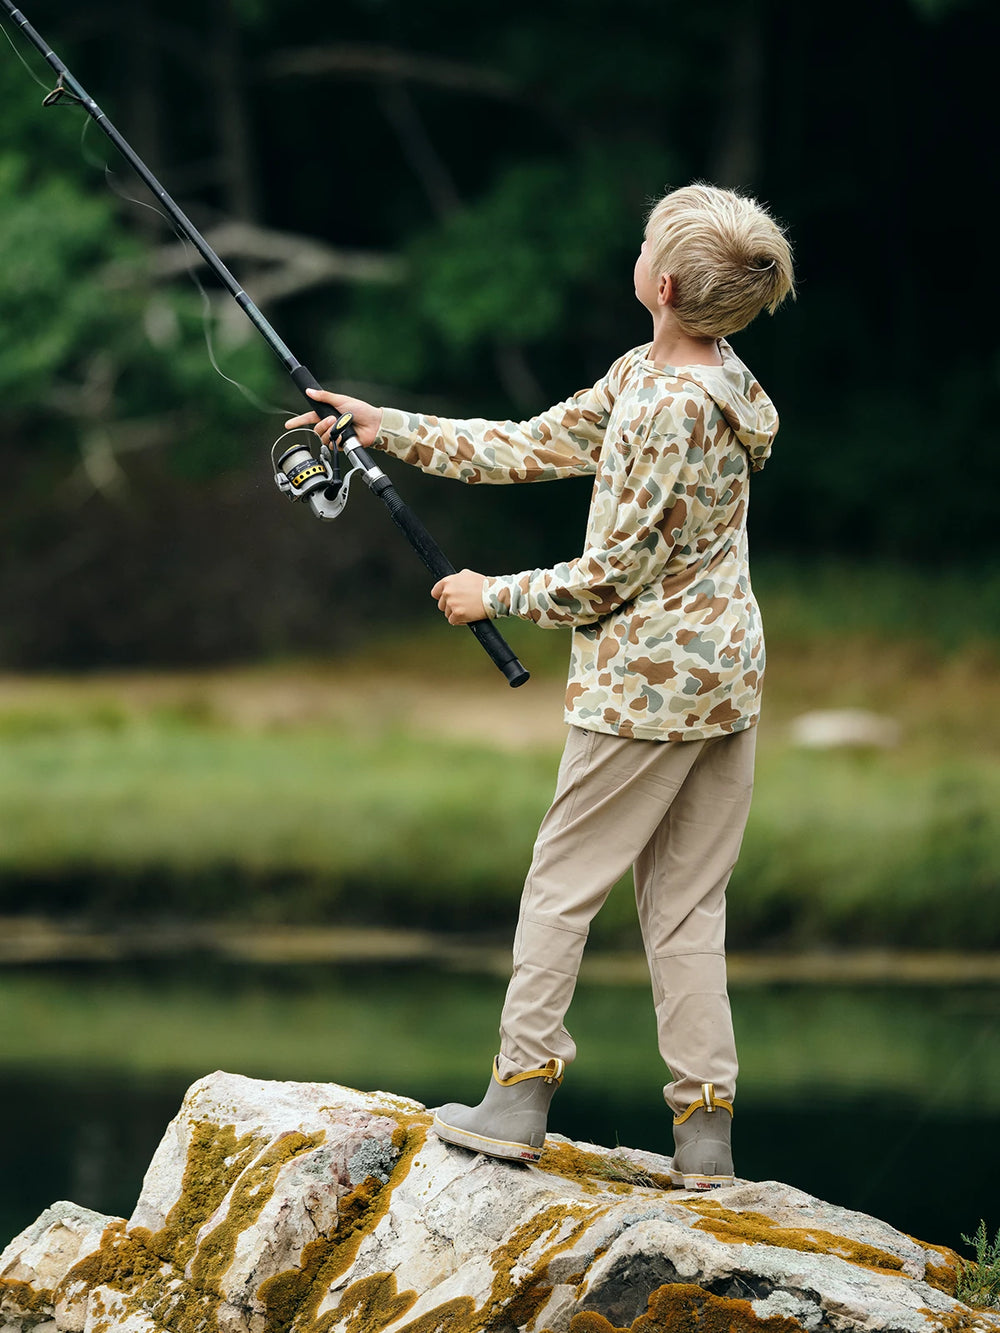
312, 1208
844, 728
33, 1267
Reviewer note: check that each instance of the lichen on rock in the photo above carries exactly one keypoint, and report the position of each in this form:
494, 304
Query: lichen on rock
313, 1208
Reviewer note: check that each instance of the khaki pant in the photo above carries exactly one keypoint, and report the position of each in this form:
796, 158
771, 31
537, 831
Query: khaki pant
676, 812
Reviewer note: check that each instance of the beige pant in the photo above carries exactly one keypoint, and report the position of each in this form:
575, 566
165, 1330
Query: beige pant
675, 811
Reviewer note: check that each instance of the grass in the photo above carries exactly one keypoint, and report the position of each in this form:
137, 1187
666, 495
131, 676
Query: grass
947, 610
361, 792
979, 1279
619, 1168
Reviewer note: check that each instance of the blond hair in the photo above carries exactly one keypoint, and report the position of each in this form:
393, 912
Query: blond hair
728, 258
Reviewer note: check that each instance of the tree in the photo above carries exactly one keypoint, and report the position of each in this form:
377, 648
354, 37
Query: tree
440, 207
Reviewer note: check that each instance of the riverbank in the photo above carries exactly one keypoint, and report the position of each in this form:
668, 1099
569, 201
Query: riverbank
156, 812
402, 787
27, 941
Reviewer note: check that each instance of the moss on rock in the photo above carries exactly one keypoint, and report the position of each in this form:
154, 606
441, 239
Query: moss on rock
682, 1307
295, 1295
597, 1172
18, 1297
749, 1228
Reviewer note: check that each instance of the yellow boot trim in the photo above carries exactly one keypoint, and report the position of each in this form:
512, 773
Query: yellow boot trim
552, 1073
708, 1102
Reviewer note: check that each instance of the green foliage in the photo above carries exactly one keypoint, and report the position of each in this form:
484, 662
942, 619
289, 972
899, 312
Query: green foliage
979, 1278
72, 289
42, 134
816, 600
845, 847
50, 231
518, 265
532, 250
76, 302
214, 821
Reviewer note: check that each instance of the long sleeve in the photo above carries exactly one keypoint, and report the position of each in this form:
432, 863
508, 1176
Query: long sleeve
565, 441
666, 637
645, 505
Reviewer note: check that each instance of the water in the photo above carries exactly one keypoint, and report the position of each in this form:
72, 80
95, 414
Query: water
881, 1099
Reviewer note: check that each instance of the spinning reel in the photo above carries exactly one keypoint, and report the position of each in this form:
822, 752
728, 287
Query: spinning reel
301, 475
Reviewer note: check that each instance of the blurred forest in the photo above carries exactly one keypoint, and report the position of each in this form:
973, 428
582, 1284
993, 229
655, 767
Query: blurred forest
438, 205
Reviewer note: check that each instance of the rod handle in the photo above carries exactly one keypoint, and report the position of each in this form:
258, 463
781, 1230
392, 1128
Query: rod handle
504, 657
303, 379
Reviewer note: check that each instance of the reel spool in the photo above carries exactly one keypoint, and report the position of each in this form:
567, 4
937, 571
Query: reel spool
300, 475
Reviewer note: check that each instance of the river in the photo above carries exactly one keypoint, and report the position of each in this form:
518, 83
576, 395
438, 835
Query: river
884, 1098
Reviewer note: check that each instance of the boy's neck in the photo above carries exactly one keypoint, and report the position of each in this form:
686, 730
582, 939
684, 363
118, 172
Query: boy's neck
671, 346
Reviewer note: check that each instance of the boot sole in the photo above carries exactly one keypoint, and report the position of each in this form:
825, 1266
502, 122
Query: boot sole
690, 1181
463, 1138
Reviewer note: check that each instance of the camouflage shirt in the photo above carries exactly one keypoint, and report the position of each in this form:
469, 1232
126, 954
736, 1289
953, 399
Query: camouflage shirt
667, 640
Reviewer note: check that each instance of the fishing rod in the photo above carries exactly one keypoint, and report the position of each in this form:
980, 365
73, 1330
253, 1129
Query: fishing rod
298, 474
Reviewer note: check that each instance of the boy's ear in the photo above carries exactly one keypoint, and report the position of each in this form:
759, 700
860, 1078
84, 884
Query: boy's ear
665, 289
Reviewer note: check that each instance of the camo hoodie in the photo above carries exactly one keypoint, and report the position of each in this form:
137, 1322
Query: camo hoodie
667, 640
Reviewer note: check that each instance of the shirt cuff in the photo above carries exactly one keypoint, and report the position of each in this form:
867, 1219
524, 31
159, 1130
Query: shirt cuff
497, 593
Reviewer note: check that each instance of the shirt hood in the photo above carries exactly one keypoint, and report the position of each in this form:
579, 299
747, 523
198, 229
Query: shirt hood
742, 401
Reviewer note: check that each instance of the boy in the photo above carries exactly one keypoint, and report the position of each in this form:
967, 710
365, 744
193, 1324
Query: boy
666, 667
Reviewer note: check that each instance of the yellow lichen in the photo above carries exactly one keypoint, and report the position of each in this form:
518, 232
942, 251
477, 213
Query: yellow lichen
251, 1192
296, 1294
942, 1276
22, 1298
372, 1303
519, 1298
945, 1275
125, 1266
591, 1322
748, 1228
682, 1307
216, 1158
453, 1316
119, 1261
283, 1294
962, 1319
147, 1267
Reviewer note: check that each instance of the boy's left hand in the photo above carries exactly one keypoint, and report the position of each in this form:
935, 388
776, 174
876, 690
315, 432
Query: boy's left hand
460, 597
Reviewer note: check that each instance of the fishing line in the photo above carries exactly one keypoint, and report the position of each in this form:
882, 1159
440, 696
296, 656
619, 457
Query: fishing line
308, 477
207, 314
91, 159
13, 47
206, 327
111, 181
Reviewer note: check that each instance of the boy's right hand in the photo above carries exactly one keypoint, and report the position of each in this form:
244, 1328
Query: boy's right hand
367, 419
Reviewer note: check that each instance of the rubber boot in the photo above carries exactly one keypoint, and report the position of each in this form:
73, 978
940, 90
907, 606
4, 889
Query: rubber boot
510, 1120
703, 1157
